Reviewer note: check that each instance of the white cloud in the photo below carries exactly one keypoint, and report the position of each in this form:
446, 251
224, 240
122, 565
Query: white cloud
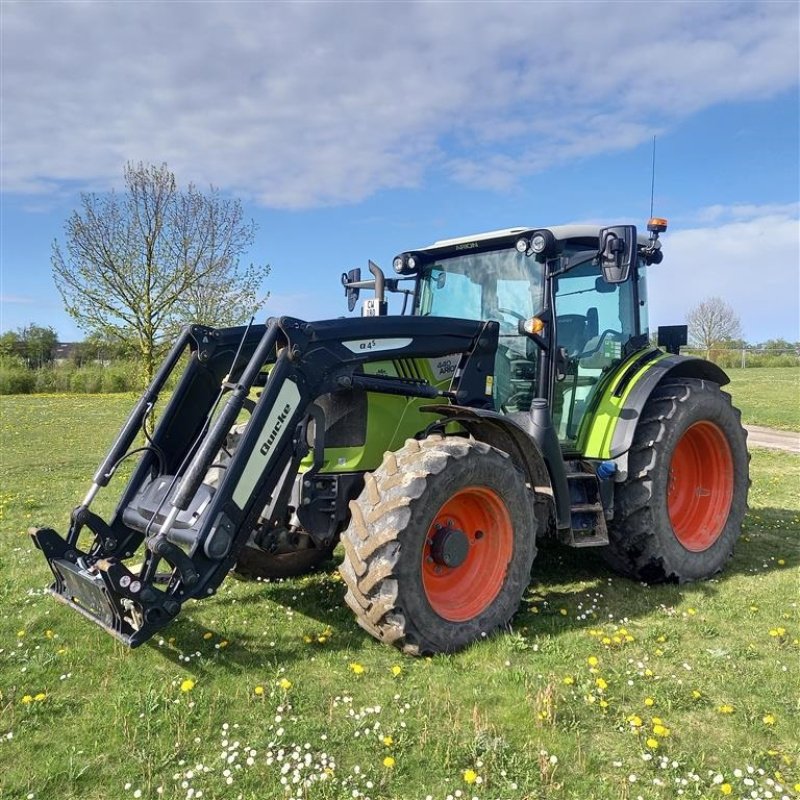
751, 260
302, 104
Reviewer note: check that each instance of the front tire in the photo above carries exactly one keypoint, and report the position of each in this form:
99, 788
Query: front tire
253, 563
440, 545
678, 515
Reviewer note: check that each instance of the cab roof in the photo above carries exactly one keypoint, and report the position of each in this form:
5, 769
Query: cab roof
561, 232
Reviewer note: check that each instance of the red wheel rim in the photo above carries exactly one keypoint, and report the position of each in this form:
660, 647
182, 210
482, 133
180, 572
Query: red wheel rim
700, 486
459, 593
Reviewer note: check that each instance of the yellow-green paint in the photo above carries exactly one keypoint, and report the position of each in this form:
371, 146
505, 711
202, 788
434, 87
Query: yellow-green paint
391, 420
597, 428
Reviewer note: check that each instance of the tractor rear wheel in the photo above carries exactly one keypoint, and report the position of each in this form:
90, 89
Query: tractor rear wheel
440, 545
678, 515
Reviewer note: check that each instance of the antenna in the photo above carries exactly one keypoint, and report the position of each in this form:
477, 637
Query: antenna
653, 177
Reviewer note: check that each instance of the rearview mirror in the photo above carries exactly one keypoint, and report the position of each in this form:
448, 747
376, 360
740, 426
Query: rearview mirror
617, 252
351, 292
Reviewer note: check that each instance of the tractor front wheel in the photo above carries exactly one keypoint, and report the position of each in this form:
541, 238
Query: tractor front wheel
440, 545
680, 512
254, 563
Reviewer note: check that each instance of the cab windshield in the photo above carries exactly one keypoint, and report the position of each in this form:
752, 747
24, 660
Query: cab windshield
503, 285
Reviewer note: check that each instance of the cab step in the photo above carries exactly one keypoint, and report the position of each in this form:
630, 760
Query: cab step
588, 527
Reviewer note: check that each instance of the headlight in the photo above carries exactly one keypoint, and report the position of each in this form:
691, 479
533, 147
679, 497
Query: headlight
538, 242
406, 263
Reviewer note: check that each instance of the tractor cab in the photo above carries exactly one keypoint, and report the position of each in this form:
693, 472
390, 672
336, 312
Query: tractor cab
569, 312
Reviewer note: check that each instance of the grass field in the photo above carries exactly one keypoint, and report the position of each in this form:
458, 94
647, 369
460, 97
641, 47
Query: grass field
604, 688
769, 397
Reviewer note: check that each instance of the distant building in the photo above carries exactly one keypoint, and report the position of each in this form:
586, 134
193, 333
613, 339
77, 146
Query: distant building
65, 351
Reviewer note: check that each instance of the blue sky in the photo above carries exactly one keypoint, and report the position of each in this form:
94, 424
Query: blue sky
355, 130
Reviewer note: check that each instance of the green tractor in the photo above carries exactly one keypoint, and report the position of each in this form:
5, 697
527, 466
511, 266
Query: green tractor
520, 397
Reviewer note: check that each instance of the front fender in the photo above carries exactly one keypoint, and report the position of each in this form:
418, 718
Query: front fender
542, 470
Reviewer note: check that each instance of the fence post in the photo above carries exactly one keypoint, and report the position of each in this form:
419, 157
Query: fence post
744, 363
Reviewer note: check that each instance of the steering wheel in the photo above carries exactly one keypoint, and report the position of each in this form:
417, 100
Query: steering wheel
511, 328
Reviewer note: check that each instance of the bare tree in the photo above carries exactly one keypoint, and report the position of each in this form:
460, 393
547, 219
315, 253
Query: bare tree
134, 264
712, 322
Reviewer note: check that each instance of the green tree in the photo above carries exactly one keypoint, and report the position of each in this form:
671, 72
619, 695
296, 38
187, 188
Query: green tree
133, 263
712, 323
99, 347
11, 345
39, 345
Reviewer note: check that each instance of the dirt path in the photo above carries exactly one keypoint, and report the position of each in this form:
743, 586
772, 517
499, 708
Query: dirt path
776, 440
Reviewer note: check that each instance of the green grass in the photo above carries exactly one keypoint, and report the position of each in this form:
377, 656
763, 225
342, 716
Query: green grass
769, 397
523, 710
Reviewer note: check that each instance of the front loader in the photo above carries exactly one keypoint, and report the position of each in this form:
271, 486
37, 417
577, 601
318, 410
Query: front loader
519, 398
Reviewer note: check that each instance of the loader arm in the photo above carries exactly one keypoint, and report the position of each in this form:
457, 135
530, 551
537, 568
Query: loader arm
185, 533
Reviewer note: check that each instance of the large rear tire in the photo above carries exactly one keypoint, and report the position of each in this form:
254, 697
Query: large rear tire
680, 512
439, 548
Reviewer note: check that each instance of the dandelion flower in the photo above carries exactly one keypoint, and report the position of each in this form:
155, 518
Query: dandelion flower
389, 762
648, 701
357, 668
568, 680
652, 743
20, 634
696, 695
285, 683
660, 730
259, 690
768, 719
691, 611
726, 788
39, 697
28, 698
187, 685
563, 612
388, 741
470, 776
592, 661
725, 708
207, 635
601, 684
396, 670
635, 721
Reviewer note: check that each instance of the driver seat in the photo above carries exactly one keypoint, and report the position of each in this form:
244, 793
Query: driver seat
572, 333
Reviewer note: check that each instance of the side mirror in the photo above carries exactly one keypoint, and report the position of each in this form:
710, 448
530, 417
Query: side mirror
617, 252
351, 292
